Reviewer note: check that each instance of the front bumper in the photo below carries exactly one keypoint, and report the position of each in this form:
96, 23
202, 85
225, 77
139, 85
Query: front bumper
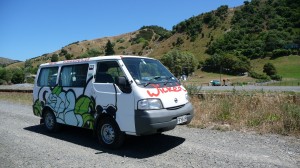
156, 121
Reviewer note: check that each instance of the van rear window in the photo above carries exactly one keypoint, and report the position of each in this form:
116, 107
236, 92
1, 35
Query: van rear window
73, 75
47, 76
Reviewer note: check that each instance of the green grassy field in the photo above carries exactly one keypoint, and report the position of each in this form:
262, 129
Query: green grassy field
288, 67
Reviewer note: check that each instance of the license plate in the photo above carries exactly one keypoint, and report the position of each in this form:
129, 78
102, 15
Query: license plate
181, 119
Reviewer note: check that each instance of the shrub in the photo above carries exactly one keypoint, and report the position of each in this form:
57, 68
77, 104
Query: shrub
68, 56
276, 77
54, 58
192, 89
121, 48
120, 40
18, 77
259, 76
2, 82
63, 52
269, 69
280, 52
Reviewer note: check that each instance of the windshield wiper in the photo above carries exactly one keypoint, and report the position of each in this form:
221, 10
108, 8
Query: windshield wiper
156, 77
168, 80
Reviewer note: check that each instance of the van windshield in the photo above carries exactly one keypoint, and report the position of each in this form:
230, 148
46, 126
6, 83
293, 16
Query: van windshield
148, 71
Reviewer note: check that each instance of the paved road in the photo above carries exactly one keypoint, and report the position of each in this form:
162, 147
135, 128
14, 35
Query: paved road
252, 88
24, 143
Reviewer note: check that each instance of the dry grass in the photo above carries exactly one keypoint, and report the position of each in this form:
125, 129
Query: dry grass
244, 111
261, 112
21, 98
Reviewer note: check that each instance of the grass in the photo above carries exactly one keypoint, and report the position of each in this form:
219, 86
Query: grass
203, 78
286, 82
262, 112
20, 98
287, 67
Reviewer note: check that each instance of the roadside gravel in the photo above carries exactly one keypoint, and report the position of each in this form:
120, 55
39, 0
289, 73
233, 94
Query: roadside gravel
25, 143
23, 86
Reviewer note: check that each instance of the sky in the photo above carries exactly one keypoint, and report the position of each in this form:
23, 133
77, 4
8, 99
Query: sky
30, 28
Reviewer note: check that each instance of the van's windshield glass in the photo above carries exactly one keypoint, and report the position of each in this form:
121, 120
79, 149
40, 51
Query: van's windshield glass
148, 71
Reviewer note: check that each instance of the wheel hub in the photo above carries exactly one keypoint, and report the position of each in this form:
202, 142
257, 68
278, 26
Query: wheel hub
108, 134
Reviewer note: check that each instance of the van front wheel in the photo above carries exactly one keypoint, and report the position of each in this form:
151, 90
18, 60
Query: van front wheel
109, 134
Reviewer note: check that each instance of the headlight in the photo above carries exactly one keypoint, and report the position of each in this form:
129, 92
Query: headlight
187, 97
150, 104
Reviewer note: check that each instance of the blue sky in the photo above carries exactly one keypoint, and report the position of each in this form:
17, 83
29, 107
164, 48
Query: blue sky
30, 28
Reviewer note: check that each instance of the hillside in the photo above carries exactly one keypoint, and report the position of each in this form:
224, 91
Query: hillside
258, 30
7, 61
154, 41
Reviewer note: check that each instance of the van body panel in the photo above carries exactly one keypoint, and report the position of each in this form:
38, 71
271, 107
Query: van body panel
169, 95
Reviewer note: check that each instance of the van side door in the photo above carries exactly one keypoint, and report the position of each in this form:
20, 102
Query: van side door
110, 98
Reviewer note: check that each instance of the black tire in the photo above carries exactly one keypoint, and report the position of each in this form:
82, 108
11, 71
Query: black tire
109, 134
50, 122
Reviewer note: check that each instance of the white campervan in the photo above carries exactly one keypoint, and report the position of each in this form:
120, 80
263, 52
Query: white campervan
113, 95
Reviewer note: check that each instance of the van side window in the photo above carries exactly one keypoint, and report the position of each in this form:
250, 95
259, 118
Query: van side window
47, 76
107, 71
73, 75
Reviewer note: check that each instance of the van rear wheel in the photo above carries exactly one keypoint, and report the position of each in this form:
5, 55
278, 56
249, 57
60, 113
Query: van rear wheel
109, 134
50, 121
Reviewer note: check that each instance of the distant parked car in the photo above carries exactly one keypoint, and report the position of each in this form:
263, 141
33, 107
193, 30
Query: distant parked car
215, 83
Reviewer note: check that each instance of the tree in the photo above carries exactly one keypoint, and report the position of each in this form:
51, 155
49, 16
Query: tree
270, 69
54, 58
68, 56
179, 62
227, 63
5, 75
63, 52
109, 48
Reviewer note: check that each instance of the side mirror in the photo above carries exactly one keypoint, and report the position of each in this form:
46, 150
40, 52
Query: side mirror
123, 84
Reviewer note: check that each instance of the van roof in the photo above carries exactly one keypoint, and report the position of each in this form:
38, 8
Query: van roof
81, 60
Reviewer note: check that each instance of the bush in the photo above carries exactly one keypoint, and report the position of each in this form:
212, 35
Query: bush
259, 76
63, 52
2, 82
161, 33
54, 58
280, 52
276, 77
18, 77
120, 40
269, 69
192, 89
68, 56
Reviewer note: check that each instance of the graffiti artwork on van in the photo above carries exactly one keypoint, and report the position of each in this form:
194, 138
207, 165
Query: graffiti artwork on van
163, 90
67, 108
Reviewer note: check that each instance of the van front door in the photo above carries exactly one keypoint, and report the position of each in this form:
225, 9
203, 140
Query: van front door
110, 99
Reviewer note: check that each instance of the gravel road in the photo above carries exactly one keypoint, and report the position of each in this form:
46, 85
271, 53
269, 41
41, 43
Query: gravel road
25, 143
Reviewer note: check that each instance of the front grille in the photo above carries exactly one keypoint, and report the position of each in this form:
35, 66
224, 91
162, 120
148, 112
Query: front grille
175, 108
